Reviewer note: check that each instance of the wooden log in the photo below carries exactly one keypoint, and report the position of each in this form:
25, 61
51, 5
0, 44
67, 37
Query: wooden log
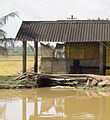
71, 76
25, 75
17, 78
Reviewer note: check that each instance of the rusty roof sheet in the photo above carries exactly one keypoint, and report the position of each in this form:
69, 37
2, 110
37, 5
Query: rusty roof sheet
65, 31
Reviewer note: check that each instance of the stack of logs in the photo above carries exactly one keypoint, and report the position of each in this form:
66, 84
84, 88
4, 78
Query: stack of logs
41, 80
27, 79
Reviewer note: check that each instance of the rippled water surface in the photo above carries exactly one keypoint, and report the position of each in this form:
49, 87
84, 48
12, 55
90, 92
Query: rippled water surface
54, 104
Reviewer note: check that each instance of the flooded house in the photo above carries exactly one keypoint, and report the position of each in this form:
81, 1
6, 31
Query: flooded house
84, 45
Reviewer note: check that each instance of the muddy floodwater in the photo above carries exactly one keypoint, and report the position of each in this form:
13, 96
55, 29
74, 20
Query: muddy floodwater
54, 104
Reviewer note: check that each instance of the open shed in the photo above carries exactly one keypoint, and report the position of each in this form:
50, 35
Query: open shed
84, 39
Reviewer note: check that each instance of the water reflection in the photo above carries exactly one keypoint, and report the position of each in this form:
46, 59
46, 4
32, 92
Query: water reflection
2, 111
57, 104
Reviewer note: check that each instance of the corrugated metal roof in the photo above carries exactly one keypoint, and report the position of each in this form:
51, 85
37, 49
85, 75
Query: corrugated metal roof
65, 31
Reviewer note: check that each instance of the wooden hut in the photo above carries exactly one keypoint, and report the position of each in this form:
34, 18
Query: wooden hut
84, 39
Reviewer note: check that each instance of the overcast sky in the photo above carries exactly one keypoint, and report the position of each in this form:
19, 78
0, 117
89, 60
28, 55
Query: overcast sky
51, 10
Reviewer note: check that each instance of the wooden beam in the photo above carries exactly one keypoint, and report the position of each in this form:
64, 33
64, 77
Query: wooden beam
24, 56
102, 58
36, 56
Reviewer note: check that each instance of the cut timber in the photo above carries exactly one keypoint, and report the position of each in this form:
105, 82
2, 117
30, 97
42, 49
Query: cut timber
69, 78
72, 76
63, 76
26, 74
44, 80
17, 78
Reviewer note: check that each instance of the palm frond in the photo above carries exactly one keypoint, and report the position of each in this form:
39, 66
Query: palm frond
31, 47
2, 33
7, 41
4, 19
3, 51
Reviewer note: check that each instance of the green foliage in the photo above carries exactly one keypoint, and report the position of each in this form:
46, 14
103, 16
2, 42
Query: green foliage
101, 86
3, 39
99, 19
30, 48
21, 82
4, 19
3, 50
6, 79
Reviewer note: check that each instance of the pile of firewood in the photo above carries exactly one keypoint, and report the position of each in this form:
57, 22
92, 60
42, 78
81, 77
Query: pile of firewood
35, 79
27, 79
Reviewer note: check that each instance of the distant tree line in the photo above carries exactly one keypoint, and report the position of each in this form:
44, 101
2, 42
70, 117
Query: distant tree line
18, 49
99, 19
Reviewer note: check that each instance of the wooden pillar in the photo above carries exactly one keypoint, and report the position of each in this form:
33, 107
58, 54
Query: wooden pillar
24, 56
102, 58
36, 56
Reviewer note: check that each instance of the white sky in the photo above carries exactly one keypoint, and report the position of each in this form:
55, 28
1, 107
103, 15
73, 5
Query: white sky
51, 10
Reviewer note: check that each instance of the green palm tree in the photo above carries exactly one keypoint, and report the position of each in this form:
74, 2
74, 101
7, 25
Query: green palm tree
3, 39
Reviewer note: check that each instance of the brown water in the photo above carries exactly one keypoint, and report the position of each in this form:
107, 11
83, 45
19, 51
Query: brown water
54, 104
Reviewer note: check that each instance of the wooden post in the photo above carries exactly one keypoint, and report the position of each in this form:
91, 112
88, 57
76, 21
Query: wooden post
24, 56
102, 58
36, 56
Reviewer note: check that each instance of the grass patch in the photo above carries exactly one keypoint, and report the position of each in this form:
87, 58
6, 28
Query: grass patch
6, 79
21, 82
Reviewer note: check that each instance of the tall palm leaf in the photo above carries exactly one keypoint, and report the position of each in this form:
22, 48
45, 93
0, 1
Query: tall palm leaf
3, 50
4, 19
31, 47
3, 39
2, 33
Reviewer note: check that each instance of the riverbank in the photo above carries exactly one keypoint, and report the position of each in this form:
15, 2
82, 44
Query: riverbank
76, 81
10, 82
